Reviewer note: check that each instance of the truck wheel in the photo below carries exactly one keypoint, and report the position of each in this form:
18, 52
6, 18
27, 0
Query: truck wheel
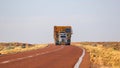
68, 42
57, 43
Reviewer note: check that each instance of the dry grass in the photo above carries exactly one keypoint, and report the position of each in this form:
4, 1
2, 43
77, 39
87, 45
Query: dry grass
103, 57
17, 49
1, 47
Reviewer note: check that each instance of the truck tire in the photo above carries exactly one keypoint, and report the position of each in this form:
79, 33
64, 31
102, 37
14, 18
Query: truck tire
57, 43
68, 42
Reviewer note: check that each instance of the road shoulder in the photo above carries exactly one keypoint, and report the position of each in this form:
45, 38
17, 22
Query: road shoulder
86, 61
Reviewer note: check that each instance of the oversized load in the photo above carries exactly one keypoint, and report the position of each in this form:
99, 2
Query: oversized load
62, 35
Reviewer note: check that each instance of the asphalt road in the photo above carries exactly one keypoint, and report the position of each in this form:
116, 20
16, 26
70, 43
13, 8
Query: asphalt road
49, 57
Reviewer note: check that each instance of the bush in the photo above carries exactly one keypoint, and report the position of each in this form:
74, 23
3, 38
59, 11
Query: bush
1, 47
10, 47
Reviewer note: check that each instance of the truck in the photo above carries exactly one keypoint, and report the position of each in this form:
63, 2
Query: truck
62, 35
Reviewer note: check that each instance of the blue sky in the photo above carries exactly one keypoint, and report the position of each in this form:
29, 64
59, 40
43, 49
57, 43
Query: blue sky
32, 21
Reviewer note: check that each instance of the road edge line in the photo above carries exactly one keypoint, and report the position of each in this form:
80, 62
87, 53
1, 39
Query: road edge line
77, 65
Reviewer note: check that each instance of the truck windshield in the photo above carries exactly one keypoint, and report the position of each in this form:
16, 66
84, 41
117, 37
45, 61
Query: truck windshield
63, 36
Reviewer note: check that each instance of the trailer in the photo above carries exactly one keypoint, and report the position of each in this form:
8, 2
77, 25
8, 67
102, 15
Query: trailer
62, 35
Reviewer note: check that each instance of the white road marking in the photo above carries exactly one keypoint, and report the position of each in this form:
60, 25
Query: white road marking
30, 56
80, 59
5, 62
17, 59
20, 58
37, 54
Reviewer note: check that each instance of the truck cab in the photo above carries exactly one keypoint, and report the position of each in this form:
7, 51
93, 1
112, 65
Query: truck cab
62, 35
63, 38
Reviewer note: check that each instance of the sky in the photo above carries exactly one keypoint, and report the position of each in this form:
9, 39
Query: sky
32, 21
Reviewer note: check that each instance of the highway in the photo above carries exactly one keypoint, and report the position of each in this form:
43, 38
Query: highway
49, 57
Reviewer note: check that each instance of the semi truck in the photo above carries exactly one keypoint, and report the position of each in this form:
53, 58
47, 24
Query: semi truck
62, 35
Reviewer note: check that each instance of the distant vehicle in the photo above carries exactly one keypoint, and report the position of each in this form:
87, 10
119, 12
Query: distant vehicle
62, 35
